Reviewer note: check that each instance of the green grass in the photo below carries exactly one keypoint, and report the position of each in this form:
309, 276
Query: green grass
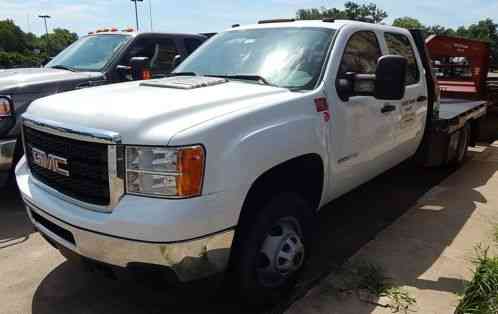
481, 294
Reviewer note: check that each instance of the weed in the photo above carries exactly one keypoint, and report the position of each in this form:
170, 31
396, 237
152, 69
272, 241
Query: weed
481, 294
369, 282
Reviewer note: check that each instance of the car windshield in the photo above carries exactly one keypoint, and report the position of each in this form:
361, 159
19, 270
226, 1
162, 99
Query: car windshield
285, 57
90, 53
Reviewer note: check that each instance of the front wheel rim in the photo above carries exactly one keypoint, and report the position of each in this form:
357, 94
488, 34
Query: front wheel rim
282, 253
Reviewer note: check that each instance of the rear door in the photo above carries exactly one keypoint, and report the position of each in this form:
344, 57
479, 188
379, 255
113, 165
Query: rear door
412, 112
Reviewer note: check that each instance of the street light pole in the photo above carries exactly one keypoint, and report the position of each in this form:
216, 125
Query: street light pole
45, 17
150, 15
136, 11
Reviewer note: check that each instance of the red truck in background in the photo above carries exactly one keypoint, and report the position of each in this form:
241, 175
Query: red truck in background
461, 67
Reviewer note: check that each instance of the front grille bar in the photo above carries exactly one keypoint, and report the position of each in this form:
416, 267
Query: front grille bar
115, 158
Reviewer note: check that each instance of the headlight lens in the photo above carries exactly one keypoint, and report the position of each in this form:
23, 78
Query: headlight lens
5, 107
165, 172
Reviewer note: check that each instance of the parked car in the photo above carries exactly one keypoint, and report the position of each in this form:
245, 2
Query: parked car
225, 164
100, 58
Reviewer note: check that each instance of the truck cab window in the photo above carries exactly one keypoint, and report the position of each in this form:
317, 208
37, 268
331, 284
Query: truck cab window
400, 45
161, 53
191, 44
361, 54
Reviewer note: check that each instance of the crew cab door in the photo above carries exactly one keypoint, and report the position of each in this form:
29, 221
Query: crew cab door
362, 130
412, 109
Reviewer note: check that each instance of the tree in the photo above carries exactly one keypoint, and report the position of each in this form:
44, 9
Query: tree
26, 49
408, 22
441, 30
59, 39
485, 30
352, 11
12, 38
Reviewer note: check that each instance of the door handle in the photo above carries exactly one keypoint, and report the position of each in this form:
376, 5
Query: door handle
387, 108
422, 98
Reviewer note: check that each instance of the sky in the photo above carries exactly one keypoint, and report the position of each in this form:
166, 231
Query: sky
196, 16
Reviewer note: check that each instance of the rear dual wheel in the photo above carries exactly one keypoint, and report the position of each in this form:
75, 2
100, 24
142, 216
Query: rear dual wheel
463, 145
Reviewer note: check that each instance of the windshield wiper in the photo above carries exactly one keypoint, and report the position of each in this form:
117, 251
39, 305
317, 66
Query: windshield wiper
63, 67
181, 74
249, 77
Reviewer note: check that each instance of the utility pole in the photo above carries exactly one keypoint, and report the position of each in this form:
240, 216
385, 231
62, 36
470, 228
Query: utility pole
136, 12
45, 17
28, 23
150, 15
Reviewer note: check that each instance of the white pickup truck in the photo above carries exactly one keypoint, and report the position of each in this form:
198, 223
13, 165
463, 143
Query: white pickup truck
225, 164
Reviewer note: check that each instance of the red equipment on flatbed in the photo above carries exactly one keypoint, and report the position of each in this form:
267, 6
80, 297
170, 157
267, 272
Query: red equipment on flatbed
461, 66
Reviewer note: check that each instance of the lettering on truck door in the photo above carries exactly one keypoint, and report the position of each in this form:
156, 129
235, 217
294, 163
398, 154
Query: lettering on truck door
413, 107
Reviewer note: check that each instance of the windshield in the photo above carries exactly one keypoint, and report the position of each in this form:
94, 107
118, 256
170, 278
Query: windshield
90, 53
285, 57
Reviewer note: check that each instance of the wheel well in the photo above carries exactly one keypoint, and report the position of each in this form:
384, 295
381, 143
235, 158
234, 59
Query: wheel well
303, 175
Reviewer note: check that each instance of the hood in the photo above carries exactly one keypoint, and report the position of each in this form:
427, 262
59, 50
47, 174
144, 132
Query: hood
16, 81
151, 114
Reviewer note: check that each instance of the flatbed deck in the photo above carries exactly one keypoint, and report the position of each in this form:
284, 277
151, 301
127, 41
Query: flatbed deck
454, 108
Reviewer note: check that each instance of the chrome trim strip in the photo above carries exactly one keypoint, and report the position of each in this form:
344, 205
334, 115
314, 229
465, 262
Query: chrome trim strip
69, 131
116, 182
113, 139
173, 174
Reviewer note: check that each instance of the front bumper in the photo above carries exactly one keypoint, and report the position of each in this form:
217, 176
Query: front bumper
190, 260
178, 234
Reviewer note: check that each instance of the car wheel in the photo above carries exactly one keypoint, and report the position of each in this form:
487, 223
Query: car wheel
273, 250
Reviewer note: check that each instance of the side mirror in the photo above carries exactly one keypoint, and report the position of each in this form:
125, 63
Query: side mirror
390, 78
177, 60
388, 82
123, 70
140, 68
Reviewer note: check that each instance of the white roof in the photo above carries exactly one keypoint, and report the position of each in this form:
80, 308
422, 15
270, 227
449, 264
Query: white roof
320, 24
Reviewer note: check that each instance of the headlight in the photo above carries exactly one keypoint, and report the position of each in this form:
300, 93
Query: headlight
164, 172
6, 107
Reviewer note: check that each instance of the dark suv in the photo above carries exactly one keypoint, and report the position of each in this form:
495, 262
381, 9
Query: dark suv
99, 58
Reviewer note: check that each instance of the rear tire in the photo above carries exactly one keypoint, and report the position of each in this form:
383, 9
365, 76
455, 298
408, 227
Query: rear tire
273, 250
463, 146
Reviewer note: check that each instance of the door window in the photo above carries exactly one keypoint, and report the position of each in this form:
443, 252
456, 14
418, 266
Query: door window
361, 54
191, 44
399, 44
161, 53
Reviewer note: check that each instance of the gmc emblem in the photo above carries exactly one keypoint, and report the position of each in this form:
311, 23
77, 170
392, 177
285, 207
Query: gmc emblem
50, 162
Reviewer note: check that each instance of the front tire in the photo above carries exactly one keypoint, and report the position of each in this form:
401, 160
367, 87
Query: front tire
273, 250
